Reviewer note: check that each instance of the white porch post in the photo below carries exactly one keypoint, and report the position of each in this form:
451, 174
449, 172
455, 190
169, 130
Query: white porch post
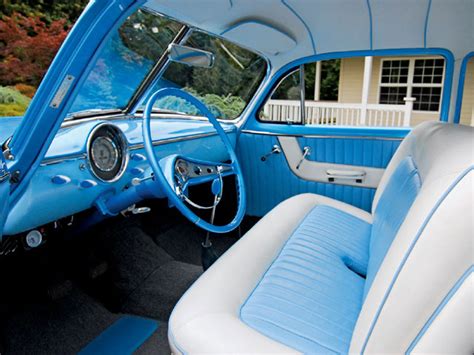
408, 110
365, 89
317, 82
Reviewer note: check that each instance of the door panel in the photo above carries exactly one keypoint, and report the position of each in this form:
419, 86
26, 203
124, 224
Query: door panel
271, 181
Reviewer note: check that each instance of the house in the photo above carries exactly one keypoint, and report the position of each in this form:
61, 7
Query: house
400, 91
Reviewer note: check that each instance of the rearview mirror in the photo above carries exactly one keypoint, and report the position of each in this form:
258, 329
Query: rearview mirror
190, 56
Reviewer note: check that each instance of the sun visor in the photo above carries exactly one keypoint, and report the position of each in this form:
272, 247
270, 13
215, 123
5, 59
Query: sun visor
257, 34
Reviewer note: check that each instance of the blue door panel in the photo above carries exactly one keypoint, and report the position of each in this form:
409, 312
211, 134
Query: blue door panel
271, 181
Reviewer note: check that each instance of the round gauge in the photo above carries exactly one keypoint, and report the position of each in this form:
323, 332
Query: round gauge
182, 168
104, 153
108, 152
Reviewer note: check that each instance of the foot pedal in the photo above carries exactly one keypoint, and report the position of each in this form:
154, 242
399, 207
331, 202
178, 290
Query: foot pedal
208, 255
59, 290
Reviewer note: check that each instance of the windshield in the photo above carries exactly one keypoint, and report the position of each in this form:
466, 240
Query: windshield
226, 88
132, 51
126, 59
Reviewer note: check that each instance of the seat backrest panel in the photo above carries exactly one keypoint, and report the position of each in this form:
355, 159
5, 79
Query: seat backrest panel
433, 247
394, 204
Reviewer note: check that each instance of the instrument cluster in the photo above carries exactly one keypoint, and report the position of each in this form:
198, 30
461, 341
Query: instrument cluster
107, 150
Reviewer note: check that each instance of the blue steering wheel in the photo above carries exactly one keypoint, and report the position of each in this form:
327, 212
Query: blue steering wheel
165, 169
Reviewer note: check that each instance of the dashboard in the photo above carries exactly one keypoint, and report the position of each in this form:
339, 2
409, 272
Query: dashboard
91, 161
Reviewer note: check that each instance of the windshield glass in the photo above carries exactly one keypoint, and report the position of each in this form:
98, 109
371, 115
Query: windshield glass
127, 57
226, 88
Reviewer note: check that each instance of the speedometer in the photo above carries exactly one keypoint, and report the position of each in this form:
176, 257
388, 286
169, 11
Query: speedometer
108, 152
104, 153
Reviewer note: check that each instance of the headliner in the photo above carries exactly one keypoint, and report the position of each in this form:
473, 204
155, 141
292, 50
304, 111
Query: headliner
287, 30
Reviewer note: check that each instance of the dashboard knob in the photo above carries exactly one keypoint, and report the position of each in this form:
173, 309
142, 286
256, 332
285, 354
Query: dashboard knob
138, 157
60, 179
87, 184
137, 171
34, 239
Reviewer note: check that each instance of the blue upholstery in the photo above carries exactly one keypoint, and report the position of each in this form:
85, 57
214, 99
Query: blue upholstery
393, 206
281, 183
311, 295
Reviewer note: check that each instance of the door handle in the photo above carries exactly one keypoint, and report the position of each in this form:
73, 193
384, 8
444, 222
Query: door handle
357, 175
306, 152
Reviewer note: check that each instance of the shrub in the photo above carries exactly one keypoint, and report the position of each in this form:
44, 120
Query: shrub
12, 102
29, 46
26, 90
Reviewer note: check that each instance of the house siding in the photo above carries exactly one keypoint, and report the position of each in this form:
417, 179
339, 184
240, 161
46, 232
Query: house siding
467, 109
351, 80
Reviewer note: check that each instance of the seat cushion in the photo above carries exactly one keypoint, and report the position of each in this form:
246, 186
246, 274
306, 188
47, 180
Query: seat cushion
211, 308
312, 294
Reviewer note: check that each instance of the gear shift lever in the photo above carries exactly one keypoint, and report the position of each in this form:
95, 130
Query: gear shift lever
208, 255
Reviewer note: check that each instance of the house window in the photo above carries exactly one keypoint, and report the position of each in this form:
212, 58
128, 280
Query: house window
421, 78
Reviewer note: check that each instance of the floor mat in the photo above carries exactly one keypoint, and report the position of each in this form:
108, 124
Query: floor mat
157, 296
61, 327
124, 336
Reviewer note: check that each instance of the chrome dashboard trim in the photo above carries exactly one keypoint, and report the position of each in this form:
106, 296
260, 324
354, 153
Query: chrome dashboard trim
77, 156
178, 139
319, 136
57, 160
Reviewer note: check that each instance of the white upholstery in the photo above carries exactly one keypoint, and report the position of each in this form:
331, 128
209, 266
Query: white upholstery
404, 307
439, 224
210, 308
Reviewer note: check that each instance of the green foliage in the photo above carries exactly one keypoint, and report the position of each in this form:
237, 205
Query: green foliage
12, 102
228, 85
48, 11
329, 80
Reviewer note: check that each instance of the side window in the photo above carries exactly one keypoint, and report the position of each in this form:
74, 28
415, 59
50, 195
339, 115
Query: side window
362, 91
285, 102
467, 107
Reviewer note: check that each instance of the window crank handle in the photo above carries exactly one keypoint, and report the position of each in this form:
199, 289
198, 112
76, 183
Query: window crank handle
275, 150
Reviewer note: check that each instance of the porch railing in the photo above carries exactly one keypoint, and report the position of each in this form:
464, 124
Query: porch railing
340, 114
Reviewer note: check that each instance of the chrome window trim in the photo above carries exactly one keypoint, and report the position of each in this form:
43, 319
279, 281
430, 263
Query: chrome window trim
319, 136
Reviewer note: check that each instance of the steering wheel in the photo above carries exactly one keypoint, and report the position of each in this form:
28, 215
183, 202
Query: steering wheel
175, 187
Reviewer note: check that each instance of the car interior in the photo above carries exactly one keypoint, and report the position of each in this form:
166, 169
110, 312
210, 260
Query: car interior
174, 186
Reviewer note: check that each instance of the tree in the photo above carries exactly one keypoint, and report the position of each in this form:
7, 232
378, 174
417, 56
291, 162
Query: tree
27, 47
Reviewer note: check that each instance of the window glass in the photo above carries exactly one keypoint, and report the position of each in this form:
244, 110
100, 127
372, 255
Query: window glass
421, 79
397, 92
467, 107
124, 62
226, 88
285, 101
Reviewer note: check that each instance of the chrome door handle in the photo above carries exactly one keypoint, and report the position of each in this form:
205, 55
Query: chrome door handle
275, 150
306, 153
357, 175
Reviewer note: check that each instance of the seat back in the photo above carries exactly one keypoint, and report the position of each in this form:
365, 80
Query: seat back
419, 282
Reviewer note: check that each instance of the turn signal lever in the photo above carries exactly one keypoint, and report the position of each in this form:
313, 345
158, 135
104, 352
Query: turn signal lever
275, 150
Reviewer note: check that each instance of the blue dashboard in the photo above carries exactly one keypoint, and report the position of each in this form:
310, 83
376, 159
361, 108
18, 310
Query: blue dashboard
66, 183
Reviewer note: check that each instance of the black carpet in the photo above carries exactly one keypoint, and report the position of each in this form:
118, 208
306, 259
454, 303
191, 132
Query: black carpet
150, 261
